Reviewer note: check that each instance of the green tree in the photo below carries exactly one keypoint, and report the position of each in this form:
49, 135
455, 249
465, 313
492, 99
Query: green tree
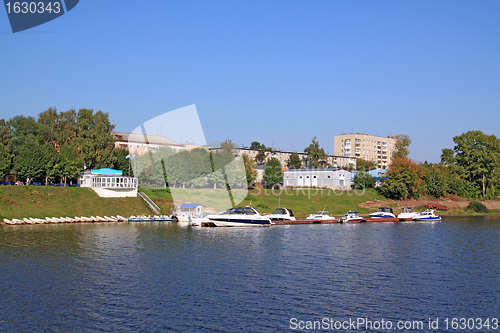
294, 161
447, 156
5, 132
364, 165
401, 150
67, 163
435, 179
121, 161
316, 155
479, 156
62, 126
255, 145
32, 159
260, 158
5, 160
273, 173
364, 180
94, 139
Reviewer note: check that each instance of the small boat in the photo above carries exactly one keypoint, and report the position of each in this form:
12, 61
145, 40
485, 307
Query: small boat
240, 217
281, 214
428, 215
133, 218
408, 213
17, 221
383, 213
6, 221
321, 215
121, 218
351, 217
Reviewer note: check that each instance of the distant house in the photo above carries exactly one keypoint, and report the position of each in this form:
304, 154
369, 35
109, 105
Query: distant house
339, 179
192, 209
109, 182
140, 144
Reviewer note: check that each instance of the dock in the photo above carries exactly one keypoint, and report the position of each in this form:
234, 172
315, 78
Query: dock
386, 220
305, 222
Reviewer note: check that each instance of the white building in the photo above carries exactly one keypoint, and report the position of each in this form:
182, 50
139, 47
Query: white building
109, 183
339, 179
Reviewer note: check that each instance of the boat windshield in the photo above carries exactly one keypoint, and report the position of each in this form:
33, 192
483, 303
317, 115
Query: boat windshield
323, 212
281, 211
385, 209
244, 210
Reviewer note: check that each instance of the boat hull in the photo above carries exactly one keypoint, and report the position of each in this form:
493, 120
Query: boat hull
428, 219
382, 216
222, 222
353, 220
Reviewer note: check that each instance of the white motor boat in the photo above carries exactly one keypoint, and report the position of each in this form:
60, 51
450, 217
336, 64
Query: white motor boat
320, 216
428, 215
408, 213
352, 217
383, 213
281, 214
240, 217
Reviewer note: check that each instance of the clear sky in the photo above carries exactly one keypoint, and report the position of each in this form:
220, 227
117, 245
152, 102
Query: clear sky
279, 72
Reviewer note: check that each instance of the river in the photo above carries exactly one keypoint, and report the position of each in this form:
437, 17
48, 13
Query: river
155, 277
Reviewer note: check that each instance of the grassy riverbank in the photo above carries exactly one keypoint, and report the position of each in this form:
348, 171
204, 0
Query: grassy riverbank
48, 201
302, 201
306, 201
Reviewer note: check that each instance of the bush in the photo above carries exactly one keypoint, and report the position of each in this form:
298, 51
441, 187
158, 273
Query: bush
477, 206
364, 180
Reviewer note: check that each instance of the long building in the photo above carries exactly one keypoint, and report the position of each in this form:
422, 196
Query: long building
368, 147
283, 156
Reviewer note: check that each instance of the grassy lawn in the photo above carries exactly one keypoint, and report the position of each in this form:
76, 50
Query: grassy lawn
47, 201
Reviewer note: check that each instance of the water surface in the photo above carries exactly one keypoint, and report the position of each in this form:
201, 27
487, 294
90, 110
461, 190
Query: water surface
161, 277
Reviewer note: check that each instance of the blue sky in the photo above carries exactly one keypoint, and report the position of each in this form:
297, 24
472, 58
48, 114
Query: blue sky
280, 72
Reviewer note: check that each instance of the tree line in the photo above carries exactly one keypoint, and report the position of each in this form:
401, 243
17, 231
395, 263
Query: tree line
471, 169
194, 168
57, 145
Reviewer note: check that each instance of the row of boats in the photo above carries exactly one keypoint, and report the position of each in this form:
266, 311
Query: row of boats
407, 214
242, 216
84, 219
248, 216
76, 219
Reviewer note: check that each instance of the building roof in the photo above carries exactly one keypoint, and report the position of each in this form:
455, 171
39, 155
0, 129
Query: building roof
141, 138
318, 169
106, 171
191, 205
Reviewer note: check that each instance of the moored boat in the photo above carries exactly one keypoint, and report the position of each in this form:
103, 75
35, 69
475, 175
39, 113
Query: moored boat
429, 216
352, 217
408, 213
321, 215
383, 213
281, 214
240, 217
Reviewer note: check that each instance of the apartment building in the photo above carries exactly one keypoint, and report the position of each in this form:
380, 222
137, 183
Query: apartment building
368, 147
